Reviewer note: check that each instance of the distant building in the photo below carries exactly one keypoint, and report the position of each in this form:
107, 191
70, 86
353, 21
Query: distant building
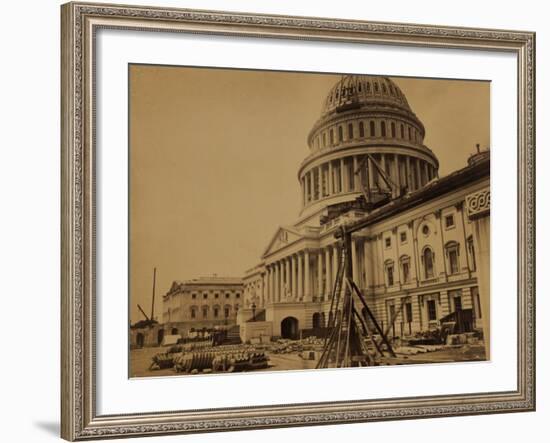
202, 303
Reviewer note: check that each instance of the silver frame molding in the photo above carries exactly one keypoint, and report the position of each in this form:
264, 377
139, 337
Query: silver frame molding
79, 420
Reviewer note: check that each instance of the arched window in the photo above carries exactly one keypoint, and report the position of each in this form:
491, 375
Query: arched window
383, 128
193, 312
376, 87
360, 87
384, 88
402, 131
393, 129
350, 131
216, 311
428, 262
205, 312
332, 136
324, 140
361, 129
340, 134
451, 252
372, 129
410, 138
226, 311
368, 87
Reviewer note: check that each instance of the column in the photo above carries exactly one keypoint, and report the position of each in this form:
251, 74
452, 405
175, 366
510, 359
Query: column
268, 288
300, 280
478, 208
277, 297
343, 175
293, 267
330, 184
311, 193
307, 283
383, 166
355, 176
426, 172
328, 268
417, 171
303, 182
408, 172
397, 173
367, 262
288, 277
335, 263
320, 291
354, 260
281, 280
371, 168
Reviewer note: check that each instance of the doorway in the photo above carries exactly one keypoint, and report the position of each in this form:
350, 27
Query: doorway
289, 328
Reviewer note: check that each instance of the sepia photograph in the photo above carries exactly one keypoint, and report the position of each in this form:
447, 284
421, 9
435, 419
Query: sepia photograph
301, 221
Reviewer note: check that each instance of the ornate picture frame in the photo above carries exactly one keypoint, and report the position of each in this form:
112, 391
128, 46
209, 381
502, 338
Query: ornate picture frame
80, 22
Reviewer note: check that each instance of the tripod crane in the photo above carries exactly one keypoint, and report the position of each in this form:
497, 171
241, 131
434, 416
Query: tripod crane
345, 345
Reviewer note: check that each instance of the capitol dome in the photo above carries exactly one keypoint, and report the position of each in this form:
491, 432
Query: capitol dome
362, 115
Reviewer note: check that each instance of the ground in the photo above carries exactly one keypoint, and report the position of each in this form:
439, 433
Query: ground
140, 359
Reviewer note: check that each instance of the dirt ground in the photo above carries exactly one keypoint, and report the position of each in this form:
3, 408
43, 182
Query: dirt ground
140, 360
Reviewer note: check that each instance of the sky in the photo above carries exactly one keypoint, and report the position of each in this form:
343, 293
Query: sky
214, 155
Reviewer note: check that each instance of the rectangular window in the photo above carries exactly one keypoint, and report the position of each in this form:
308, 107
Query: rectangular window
453, 261
449, 221
432, 315
193, 314
403, 237
387, 242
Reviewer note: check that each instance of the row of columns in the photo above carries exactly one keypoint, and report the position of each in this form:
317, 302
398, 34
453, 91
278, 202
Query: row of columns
289, 278
292, 278
338, 176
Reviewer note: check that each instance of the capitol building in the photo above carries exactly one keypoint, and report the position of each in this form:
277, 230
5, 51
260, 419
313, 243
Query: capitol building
422, 251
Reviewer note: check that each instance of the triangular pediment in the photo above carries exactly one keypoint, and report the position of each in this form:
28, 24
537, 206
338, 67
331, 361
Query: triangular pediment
283, 237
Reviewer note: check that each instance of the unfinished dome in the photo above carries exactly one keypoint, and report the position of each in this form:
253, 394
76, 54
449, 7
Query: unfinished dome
364, 115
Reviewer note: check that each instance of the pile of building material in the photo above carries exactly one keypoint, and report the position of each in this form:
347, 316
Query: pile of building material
285, 346
232, 358
163, 360
414, 350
